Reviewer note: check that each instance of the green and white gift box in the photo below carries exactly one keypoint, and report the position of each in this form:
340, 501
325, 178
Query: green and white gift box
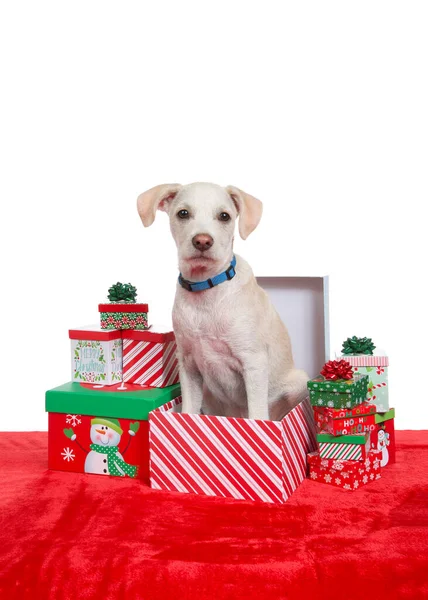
96, 355
344, 447
338, 394
376, 369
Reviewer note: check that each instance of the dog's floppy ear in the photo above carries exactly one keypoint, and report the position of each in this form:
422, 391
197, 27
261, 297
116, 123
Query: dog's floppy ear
157, 198
249, 209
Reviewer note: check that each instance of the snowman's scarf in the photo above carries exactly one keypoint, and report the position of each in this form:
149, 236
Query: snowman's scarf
113, 460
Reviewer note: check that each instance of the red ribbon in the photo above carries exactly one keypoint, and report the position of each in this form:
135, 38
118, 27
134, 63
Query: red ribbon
337, 369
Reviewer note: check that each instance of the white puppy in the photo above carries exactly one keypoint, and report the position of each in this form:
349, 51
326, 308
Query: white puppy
234, 351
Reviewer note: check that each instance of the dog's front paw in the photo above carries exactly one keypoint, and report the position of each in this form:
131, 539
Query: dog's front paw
258, 412
186, 406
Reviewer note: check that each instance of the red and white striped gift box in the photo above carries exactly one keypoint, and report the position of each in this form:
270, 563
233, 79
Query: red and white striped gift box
235, 458
150, 358
174, 405
366, 360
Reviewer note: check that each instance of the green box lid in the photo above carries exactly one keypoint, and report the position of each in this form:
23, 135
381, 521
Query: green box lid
359, 438
344, 386
76, 399
381, 417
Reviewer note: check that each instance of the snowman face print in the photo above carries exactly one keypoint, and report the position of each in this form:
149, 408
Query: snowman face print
381, 439
104, 436
382, 446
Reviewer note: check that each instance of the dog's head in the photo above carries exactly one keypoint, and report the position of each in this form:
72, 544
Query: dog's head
202, 219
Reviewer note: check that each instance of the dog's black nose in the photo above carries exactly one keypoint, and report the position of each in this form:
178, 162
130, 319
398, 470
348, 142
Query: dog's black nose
202, 241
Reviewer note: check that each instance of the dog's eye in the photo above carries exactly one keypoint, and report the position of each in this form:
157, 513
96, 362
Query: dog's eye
224, 216
183, 214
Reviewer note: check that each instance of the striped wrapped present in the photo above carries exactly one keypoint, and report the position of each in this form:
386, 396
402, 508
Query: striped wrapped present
344, 447
149, 358
173, 405
235, 458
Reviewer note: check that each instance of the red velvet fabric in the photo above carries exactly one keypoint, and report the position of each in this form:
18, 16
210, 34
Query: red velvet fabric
67, 536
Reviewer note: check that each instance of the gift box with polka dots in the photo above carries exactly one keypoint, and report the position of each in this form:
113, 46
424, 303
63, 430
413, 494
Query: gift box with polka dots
338, 394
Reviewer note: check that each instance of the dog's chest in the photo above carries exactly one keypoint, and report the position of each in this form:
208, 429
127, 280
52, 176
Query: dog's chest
204, 338
221, 370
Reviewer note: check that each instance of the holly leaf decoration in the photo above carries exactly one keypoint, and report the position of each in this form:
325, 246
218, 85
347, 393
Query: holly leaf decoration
122, 292
356, 345
134, 426
68, 433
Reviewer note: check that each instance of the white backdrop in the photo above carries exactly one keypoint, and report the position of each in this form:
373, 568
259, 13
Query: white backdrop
317, 108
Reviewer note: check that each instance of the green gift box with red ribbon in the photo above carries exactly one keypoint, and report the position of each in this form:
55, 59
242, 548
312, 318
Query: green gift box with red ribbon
338, 394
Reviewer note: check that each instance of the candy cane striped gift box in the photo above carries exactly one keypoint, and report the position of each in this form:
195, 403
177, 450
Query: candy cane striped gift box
235, 458
376, 367
149, 358
344, 447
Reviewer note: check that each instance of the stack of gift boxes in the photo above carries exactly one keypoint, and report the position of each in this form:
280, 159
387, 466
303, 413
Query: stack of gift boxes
120, 372
355, 426
120, 415
125, 374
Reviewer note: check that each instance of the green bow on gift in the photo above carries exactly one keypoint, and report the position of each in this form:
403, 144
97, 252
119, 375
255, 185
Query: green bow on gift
356, 345
122, 292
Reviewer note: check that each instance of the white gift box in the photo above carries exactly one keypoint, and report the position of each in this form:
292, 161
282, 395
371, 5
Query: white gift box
96, 355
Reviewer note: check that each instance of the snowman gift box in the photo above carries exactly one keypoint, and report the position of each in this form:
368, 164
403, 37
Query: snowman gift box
382, 436
103, 430
96, 355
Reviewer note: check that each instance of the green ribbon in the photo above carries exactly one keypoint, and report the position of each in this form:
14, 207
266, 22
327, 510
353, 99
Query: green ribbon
356, 345
122, 292
114, 461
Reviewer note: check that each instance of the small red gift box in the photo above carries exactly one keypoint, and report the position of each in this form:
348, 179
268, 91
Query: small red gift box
346, 474
150, 357
117, 315
346, 421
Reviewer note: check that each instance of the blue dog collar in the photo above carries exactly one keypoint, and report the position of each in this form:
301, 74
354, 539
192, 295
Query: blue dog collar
209, 283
